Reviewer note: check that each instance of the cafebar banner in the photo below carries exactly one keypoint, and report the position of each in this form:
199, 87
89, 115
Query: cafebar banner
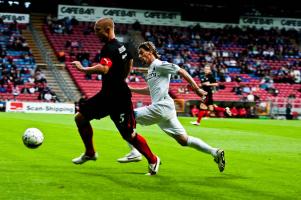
34, 107
119, 15
10, 17
269, 22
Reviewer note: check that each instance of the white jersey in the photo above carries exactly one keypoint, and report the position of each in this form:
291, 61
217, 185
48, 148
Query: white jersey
158, 78
162, 111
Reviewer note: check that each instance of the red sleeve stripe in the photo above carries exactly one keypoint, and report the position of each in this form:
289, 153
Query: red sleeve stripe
106, 61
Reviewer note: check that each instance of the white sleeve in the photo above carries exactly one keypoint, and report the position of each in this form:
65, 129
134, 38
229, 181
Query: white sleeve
168, 68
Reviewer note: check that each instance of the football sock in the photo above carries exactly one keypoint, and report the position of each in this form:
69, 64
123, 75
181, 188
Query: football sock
200, 145
86, 134
201, 114
219, 109
141, 145
133, 150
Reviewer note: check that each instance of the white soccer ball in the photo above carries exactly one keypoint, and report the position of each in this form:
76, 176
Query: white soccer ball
32, 138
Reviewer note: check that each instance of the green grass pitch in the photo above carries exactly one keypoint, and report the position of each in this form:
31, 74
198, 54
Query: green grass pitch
263, 161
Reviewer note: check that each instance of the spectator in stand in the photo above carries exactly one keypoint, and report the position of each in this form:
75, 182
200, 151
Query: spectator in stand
250, 97
291, 97
47, 96
86, 63
133, 78
58, 28
74, 21
75, 44
31, 79
288, 111
61, 56
25, 90
237, 79
40, 77
39, 87
2, 88
274, 91
98, 77
237, 89
139, 104
97, 57
1, 20
251, 112
3, 52
87, 30
194, 111
16, 91
2, 103
266, 83
9, 88
136, 25
242, 112
178, 59
297, 75
234, 111
49, 20
228, 78
221, 86
246, 89
67, 44
86, 54
28, 89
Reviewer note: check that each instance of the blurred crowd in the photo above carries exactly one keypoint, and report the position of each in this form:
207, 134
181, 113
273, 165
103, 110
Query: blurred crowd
18, 72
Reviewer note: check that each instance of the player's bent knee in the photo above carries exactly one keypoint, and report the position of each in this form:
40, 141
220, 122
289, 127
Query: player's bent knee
129, 136
182, 143
181, 139
80, 119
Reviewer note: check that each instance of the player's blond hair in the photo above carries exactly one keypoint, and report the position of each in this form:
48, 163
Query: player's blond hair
106, 22
149, 46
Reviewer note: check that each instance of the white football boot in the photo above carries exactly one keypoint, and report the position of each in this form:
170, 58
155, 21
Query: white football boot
220, 159
195, 123
154, 168
84, 158
133, 156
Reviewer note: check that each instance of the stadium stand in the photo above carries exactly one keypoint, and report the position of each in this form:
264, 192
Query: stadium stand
232, 51
251, 65
19, 77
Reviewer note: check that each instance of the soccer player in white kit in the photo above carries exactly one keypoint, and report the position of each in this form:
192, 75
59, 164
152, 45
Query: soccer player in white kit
162, 109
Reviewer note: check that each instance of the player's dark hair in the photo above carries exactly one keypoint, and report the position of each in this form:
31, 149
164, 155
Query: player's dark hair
149, 46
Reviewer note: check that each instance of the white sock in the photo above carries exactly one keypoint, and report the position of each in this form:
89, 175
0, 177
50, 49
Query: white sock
134, 150
201, 145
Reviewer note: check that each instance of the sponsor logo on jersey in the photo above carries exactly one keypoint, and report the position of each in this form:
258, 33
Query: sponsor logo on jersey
151, 75
121, 49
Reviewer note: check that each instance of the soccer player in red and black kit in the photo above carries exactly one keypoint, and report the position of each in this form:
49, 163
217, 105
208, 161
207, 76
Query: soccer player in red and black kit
114, 99
208, 83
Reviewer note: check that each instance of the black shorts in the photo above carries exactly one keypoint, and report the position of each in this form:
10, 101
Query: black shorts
209, 99
119, 109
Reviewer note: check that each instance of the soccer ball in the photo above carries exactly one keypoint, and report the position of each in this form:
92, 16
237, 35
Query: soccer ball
32, 138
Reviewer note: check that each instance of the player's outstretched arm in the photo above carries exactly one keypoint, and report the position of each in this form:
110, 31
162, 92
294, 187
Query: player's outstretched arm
140, 90
193, 84
95, 69
141, 69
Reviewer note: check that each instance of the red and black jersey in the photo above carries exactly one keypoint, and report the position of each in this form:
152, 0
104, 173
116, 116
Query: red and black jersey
116, 56
207, 78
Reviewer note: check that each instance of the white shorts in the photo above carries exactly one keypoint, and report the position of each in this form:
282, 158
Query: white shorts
163, 114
